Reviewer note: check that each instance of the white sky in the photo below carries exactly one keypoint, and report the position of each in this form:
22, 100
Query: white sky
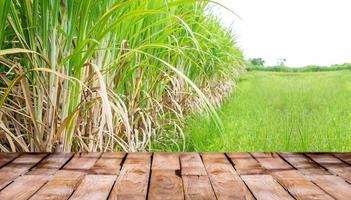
302, 31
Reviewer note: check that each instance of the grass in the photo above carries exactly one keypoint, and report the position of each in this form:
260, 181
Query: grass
308, 68
108, 76
279, 111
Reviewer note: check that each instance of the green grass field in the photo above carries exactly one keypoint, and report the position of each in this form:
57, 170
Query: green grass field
278, 111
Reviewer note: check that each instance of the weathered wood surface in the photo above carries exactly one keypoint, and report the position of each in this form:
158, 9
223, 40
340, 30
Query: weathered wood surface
198, 176
133, 180
165, 182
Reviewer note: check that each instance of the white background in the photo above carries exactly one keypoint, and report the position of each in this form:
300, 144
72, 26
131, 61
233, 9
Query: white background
302, 31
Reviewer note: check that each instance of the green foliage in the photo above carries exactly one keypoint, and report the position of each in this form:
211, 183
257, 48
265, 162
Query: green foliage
107, 75
309, 68
292, 112
257, 61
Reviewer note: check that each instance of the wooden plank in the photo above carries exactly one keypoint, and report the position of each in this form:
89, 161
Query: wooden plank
165, 183
298, 186
245, 164
271, 161
138, 158
61, 186
165, 161
132, 182
333, 165
197, 188
18, 167
225, 181
192, 164
195, 180
82, 161
346, 157
51, 164
94, 187
305, 165
23, 187
175, 176
264, 187
7, 157
333, 185
108, 164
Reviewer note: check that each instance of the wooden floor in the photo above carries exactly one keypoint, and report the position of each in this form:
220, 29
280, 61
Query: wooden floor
175, 176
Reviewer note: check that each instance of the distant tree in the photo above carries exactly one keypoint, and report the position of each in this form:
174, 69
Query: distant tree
257, 61
281, 62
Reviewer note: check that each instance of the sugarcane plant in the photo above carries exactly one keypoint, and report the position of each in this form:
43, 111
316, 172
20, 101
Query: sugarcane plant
108, 76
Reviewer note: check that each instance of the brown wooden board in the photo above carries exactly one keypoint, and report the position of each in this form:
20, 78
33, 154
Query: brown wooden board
196, 183
225, 181
51, 164
165, 161
165, 184
333, 185
138, 158
305, 165
264, 187
19, 166
82, 161
174, 176
108, 164
165, 181
7, 157
298, 186
346, 157
133, 179
271, 161
197, 188
23, 187
333, 165
61, 186
192, 164
245, 164
95, 187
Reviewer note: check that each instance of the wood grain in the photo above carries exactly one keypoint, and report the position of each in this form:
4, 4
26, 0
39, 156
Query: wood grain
346, 157
196, 183
271, 161
51, 164
165, 161
333, 165
225, 181
23, 187
61, 186
132, 182
187, 176
108, 164
82, 161
197, 188
18, 167
305, 165
333, 185
7, 157
165, 184
264, 187
165, 181
94, 187
138, 158
298, 186
245, 164
192, 164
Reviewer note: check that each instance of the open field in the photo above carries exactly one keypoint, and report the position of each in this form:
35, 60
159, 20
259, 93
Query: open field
133, 76
273, 111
